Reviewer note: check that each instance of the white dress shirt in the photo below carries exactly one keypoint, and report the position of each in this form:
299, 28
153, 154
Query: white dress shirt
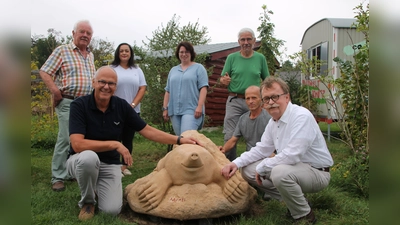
296, 137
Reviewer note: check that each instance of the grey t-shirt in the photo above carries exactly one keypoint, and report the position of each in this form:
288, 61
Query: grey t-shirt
251, 129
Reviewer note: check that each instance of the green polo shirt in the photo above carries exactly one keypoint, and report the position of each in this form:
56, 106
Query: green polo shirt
245, 72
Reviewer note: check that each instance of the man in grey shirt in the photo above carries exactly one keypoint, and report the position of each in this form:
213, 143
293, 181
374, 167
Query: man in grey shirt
251, 125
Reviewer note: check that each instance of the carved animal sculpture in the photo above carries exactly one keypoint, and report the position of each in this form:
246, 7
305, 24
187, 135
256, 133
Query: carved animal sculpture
187, 184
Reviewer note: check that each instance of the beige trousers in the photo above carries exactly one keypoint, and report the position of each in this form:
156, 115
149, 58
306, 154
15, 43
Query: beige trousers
289, 183
95, 177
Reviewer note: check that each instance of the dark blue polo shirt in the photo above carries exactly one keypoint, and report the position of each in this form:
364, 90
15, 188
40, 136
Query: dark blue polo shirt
85, 118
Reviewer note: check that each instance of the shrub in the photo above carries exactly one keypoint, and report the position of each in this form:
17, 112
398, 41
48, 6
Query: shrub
44, 131
353, 175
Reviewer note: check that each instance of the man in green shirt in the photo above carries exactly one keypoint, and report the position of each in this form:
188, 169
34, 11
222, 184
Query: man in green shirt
241, 70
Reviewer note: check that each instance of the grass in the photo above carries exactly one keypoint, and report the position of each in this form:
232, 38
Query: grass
333, 205
333, 127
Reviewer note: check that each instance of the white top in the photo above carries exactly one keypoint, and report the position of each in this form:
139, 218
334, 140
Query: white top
296, 137
129, 81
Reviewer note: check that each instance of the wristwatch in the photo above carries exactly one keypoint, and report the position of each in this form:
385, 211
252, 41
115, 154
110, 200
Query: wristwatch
164, 108
133, 104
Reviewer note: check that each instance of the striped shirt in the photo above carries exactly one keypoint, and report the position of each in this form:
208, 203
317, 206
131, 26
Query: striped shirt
71, 72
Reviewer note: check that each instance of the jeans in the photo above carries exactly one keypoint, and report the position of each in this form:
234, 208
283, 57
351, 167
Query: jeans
182, 123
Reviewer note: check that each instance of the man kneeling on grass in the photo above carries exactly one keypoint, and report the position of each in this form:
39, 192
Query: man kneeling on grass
96, 126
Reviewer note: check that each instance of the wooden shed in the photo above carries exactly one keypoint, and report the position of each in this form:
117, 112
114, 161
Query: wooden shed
327, 39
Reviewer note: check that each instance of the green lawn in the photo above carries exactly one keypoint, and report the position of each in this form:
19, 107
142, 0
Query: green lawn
333, 126
334, 205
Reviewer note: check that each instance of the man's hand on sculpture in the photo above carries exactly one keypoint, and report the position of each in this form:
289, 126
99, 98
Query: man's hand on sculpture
229, 170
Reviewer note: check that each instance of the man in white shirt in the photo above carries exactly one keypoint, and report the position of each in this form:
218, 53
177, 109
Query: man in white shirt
302, 162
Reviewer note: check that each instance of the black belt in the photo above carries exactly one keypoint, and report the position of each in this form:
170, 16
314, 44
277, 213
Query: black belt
237, 95
325, 169
70, 97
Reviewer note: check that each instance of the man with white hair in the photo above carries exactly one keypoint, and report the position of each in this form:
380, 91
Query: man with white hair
68, 73
241, 70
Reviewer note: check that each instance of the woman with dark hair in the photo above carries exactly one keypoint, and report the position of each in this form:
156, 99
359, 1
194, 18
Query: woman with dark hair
131, 86
186, 91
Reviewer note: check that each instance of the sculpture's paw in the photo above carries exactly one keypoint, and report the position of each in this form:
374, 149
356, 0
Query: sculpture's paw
149, 197
235, 189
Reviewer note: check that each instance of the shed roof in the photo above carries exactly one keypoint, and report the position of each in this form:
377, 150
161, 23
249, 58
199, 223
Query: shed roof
199, 49
335, 22
211, 48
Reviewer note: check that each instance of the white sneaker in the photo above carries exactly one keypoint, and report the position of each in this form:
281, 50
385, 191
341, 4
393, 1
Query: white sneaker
126, 172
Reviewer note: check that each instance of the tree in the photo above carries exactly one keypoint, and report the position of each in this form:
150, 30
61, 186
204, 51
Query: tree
102, 50
157, 57
292, 76
42, 47
354, 92
307, 67
352, 95
169, 37
353, 86
269, 44
287, 65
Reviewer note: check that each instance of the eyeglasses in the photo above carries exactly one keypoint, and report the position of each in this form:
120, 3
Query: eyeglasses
274, 98
184, 52
103, 83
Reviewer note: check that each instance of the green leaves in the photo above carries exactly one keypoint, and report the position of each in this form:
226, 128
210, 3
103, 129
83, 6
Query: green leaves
354, 92
348, 97
172, 34
269, 44
102, 50
42, 46
156, 69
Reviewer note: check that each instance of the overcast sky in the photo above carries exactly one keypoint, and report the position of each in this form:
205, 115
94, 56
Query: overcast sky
131, 20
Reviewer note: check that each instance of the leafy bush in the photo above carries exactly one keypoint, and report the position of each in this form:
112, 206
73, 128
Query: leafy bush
41, 99
307, 100
44, 131
352, 175
44, 125
354, 93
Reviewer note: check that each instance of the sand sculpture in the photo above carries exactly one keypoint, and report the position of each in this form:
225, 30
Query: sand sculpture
187, 184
